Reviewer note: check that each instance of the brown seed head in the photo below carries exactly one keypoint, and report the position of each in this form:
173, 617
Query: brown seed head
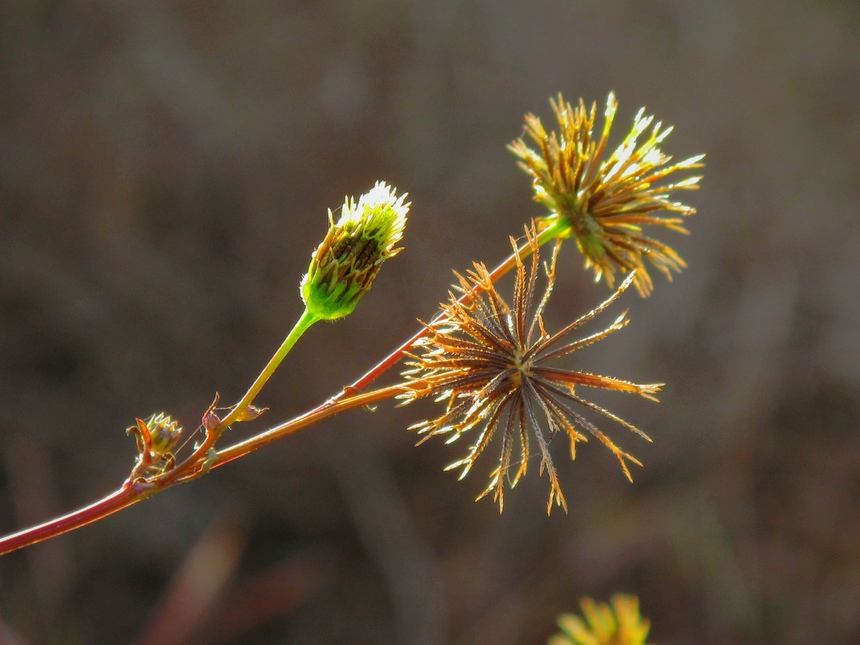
606, 202
491, 363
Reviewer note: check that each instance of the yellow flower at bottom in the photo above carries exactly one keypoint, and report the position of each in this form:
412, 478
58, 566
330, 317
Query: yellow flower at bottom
620, 624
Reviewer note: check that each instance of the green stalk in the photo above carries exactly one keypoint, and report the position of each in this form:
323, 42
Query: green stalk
304, 322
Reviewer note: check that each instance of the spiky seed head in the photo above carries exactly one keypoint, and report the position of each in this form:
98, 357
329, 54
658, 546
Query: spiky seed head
491, 363
343, 267
604, 203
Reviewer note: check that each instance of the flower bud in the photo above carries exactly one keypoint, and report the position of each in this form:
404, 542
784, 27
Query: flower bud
164, 434
343, 267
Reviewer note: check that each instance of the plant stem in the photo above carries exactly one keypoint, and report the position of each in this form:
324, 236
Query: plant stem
198, 462
116, 501
319, 413
131, 493
304, 322
191, 468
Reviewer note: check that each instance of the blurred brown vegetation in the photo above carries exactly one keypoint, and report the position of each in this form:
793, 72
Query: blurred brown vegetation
164, 173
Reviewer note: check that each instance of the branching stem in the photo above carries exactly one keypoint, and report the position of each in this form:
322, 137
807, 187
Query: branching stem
205, 456
133, 492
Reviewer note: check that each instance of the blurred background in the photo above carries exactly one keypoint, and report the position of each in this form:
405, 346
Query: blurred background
165, 170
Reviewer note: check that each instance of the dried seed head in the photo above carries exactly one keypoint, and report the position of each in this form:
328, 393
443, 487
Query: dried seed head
604, 203
490, 362
343, 267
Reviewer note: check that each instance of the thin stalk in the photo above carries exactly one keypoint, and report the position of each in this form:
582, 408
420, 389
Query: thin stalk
199, 462
319, 413
132, 493
304, 322
116, 501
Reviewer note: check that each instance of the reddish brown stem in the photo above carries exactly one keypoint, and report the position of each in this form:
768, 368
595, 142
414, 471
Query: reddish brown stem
199, 463
116, 501
328, 409
130, 493
394, 357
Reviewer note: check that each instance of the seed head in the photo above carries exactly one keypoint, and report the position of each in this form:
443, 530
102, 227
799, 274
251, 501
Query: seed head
606, 202
491, 364
343, 267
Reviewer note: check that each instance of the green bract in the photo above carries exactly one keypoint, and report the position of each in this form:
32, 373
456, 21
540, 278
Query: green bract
343, 267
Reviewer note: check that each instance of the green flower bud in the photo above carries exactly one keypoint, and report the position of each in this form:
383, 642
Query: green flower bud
343, 267
164, 434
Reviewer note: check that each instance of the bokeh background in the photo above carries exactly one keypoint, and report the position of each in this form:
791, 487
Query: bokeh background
165, 170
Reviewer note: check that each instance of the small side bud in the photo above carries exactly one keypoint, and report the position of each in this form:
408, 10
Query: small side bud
164, 434
343, 267
210, 419
251, 412
156, 438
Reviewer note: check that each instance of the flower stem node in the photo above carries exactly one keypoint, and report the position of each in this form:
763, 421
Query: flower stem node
343, 267
210, 419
